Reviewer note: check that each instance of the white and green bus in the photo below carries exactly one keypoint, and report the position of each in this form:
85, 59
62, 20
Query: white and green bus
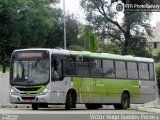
43, 77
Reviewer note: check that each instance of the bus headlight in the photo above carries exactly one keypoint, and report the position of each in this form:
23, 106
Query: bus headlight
45, 91
13, 92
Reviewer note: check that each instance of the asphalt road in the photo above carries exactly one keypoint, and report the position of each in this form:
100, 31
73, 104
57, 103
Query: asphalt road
81, 113
4, 88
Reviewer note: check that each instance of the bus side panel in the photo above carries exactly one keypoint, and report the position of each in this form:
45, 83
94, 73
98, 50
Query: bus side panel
98, 90
147, 91
59, 90
85, 88
77, 81
115, 88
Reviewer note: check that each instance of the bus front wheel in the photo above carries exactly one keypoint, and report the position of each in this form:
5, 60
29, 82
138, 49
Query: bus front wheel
35, 106
125, 102
70, 101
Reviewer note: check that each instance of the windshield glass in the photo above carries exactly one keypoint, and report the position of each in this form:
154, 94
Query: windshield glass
29, 71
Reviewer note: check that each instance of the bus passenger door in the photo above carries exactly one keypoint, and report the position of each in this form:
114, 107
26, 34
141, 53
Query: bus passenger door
57, 84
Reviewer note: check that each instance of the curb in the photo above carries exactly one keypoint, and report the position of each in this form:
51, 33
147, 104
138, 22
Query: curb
14, 106
149, 109
25, 106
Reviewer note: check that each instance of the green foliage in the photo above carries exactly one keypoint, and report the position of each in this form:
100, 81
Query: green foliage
155, 51
7, 68
87, 40
91, 40
24, 23
110, 48
76, 48
157, 57
138, 47
55, 37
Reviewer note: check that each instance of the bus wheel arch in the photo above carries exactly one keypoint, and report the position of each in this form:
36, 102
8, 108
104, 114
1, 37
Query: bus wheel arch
125, 101
71, 98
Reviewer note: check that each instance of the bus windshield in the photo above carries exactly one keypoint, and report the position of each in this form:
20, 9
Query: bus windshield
29, 71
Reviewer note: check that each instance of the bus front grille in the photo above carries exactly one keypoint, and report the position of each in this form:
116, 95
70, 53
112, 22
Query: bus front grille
28, 98
28, 89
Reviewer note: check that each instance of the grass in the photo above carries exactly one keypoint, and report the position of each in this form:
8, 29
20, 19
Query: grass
155, 51
157, 65
7, 68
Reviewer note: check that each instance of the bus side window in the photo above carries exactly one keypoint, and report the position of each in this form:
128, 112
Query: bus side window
143, 71
60, 69
57, 69
151, 71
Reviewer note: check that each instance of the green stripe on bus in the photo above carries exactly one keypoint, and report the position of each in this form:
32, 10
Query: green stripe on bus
100, 87
102, 55
41, 88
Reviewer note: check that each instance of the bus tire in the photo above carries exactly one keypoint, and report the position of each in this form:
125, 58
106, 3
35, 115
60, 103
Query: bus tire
35, 106
69, 101
93, 106
125, 102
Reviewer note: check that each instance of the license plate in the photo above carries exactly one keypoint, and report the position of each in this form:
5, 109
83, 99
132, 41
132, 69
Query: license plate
28, 101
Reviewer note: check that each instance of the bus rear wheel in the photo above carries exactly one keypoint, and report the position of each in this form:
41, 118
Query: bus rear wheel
35, 106
125, 102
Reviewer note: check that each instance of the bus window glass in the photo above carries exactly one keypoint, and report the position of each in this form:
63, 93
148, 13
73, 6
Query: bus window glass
96, 67
57, 69
82, 66
30, 72
132, 70
151, 71
70, 65
108, 68
121, 69
30, 67
143, 71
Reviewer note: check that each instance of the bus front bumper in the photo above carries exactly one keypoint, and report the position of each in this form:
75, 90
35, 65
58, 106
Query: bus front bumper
29, 99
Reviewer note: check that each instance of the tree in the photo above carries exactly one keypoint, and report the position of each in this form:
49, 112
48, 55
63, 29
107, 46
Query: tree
104, 21
87, 40
35, 22
90, 40
24, 23
110, 48
56, 34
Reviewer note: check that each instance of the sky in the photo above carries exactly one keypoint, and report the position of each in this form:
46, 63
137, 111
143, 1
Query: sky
73, 6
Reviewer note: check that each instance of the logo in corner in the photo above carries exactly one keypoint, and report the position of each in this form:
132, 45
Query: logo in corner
118, 6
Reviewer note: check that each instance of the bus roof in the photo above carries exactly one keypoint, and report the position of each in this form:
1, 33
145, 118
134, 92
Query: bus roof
33, 49
110, 56
92, 55
54, 51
